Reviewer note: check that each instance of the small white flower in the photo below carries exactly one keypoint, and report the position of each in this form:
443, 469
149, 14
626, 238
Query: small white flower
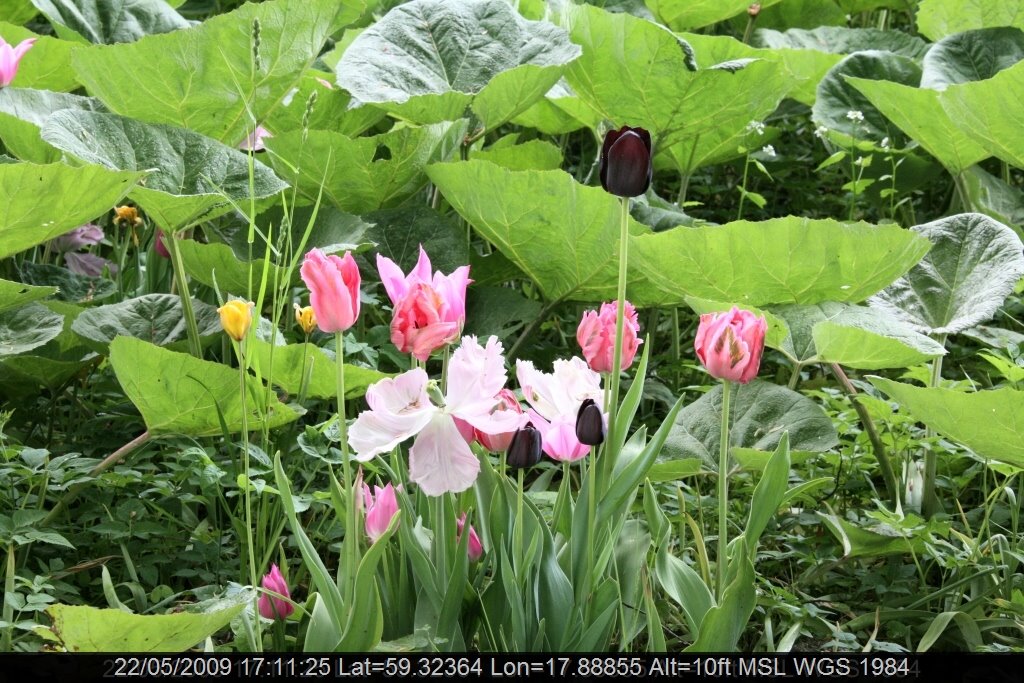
884, 144
820, 132
756, 126
855, 115
768, 150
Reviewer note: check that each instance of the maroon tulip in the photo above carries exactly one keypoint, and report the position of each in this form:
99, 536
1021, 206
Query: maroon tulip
525, 448
626, 162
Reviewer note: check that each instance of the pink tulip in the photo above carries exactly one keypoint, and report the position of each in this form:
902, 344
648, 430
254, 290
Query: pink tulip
419, 326
450, 288
159, 247
555, 399
474, 549
274, 607
82, 236
88, 264
381, 507
596, 336
495, 443
730, 344
253, 142
333, 289
10, 57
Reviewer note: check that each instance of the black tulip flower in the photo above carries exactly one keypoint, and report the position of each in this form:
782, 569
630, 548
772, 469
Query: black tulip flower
590, 424
525, 448
626, 162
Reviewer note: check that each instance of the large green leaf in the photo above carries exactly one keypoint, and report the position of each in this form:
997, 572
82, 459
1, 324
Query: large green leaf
329, 111
761, 413
16, 294
838, 100
995, 198
104, 21
17, 12
559, 111
24, 375
971, 56
192, 177
37, 203
203, 78
217, 263
988, 112
290, 366
155, 318
359, 175
23, 112
843, 41
27, 328
428, 60
684, 14
563, 235
180, 394
47, 65
80, 628
71, 287
655, 84
990, 423
939, 18
782, 260
973, 265
400, 232
919, 113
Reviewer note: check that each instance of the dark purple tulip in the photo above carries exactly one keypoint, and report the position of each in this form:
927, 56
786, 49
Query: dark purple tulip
589, 424
525, 448
626, 162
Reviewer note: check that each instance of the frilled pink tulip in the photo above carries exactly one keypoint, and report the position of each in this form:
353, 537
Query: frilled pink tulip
419, 326
274, 607
159, 246
730, 344
596, 336
555, 399
474, 549
10, 57
495, 443
381, 507
82, 236
333, 289
253, 142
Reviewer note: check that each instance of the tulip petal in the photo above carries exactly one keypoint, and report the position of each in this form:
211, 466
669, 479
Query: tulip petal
475, 376
440, 461
399, 409
393, 279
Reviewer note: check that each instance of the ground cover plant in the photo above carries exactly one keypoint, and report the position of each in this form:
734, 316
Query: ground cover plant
453, 325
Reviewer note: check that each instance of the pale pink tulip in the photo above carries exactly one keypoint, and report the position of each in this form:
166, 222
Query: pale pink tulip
555, 399
84, 263
333, 289
596, 336
474, 548
10, 57
418, 326
272, 607
440, 460
82, 236
730, 344
253, 142
381, 507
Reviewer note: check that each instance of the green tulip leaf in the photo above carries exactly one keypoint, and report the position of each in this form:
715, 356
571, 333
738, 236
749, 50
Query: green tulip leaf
561, 234
919, 113
714, 104
778, 261
27, 328
988, 112
38, 203
428, 60
80, 628
939, 18
858, 542
685, 14
103, 21
838, 101
990, 423
294, 365
192, 177
840, 40
217, 263
17, 294
47, 65
203, 78
971, 56
71, 287
761, 413
973, 265
23, 113
177, 393
155, 318
364, 174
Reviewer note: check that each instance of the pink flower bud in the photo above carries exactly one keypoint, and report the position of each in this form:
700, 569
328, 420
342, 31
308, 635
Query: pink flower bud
333, 289
730, 344
10, 57
272, 607
159, 246
253, 142
596, 336
475, 549
381, 507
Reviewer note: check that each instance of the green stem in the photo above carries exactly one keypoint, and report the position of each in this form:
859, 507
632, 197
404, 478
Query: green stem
743, 187
794, 379
8, 605
610, 453
178, 266
258, 642
352, 534
930, 501
723, 491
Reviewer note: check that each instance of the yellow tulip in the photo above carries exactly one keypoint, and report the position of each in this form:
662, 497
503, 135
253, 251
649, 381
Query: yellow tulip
306, 318
235, 318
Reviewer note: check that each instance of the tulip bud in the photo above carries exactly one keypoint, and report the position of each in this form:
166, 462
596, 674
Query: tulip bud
474, 549
333, 283
158, 245
754, 10
914, 494
274, 607
10, 57
730, 344
596, 336
236, 318
590, 424
626, 162
381, 507
306, 318
525, 448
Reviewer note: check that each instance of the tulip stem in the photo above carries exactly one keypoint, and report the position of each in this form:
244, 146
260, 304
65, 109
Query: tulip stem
620, 312
723, 491
8, 612
250, 549
178, 267
351, 539
930, 500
